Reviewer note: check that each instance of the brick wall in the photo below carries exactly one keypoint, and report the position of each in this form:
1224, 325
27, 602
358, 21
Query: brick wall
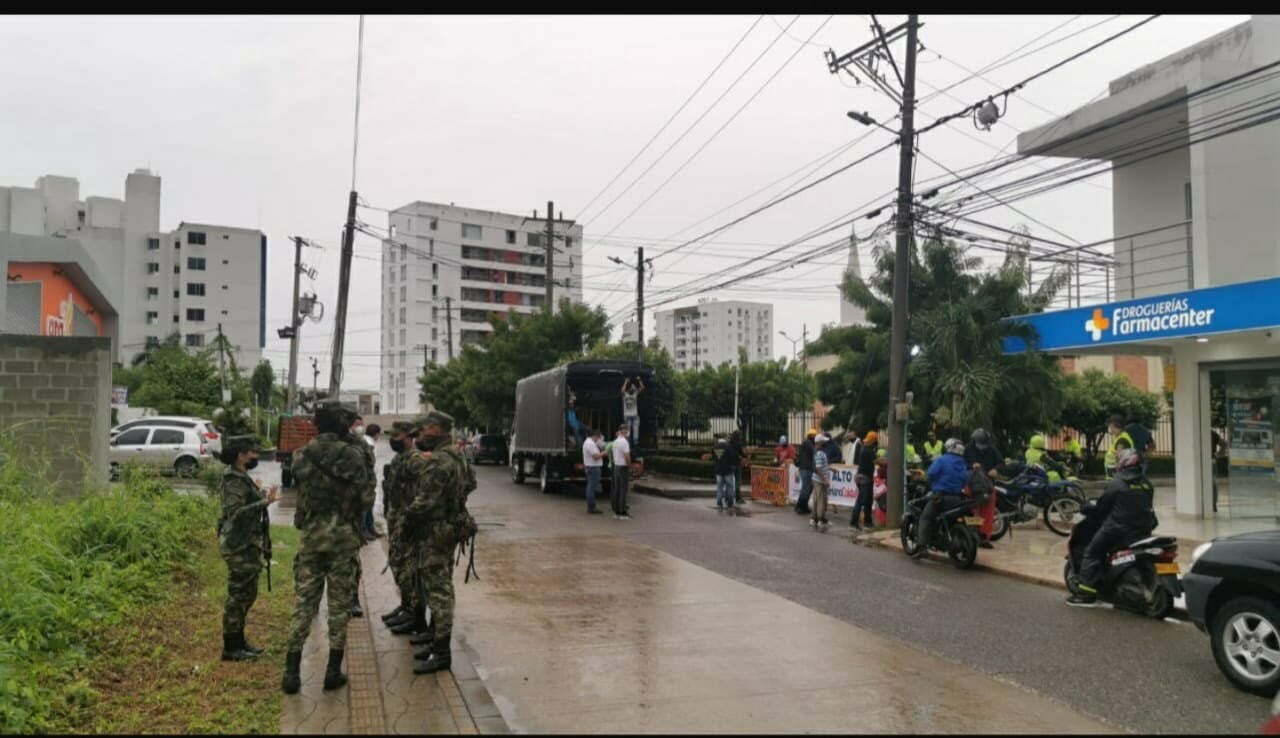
55, 401
1134, 368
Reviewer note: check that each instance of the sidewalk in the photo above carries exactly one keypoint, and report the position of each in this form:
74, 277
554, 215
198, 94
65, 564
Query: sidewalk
676, 488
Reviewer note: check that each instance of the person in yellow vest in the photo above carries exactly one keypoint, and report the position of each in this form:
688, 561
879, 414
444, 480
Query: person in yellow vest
1074, 452
1038, 455
932, 447
1119, 439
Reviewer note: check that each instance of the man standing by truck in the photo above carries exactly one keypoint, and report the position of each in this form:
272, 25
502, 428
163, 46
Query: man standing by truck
593, 465
621, 473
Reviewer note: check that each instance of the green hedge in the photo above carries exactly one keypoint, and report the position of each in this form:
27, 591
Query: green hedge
694, 468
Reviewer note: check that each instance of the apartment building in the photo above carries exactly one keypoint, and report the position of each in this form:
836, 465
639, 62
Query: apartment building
446, 270
187, 280
711, 332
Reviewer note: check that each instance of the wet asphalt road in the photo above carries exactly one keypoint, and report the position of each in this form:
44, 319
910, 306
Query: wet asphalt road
1134, 673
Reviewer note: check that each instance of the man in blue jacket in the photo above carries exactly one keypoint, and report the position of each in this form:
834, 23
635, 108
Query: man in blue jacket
948, 475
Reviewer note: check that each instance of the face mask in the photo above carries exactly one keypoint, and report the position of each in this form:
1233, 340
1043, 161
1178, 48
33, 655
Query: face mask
251, 463
397, 445
424, 443
358, 431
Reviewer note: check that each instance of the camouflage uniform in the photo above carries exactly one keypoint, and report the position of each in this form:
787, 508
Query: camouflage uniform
241, 544
438, 503
396, 476
367, 497
333, 490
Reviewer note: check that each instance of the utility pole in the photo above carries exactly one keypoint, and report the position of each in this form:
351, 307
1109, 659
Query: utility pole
901, 284
804, 339
697, 352
315, 379
551, 245
448, 323
640, 297
344, 286
222, 371
292, 388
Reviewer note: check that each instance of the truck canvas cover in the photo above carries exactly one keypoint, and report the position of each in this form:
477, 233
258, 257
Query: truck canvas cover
542, 400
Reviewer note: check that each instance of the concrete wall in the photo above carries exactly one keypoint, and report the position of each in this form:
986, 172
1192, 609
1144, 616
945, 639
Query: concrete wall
55, 400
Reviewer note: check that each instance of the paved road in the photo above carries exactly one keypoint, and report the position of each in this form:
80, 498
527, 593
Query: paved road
1133, 673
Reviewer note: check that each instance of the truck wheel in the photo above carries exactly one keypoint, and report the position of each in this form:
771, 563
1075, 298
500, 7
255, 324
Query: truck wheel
544, 479
517, 470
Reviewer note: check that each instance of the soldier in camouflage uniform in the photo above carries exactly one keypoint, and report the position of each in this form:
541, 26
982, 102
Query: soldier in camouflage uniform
393, 477
437, 510
333, 485
357, 431
240, 540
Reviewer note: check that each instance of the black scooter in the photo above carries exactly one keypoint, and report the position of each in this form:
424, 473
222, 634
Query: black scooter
952, 533
1141, 577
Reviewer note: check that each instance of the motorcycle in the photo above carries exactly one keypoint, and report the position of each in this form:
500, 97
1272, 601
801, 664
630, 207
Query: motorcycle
1141, 577
953, 531
1030, 493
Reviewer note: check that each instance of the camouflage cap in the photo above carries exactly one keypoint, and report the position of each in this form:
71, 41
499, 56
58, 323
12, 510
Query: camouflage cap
402, 426
435, 417
235, 445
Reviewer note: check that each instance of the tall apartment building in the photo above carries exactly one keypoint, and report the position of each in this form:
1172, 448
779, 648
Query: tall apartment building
710, 333
187, 280
447, 269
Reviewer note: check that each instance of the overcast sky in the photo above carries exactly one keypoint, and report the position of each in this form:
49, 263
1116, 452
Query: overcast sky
248, 120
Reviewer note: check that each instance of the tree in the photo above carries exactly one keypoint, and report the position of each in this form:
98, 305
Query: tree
667, 390
177, 382
1092, 397
767, 392
263, 381
960, 372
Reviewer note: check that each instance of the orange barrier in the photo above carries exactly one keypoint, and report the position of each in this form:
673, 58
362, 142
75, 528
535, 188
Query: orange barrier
769, 484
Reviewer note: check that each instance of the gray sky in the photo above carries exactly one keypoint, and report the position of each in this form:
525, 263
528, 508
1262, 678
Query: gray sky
249, 123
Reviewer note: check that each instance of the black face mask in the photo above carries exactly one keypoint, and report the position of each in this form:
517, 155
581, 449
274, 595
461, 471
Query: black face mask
424, 443
251, 464
397, 445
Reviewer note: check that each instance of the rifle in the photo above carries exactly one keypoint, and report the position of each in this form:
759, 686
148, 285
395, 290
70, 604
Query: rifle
266, 542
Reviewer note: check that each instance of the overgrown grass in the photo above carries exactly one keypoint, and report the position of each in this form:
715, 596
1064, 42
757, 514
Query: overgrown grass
110, 611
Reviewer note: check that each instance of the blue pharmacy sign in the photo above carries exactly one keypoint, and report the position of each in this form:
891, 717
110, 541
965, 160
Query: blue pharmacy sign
1225, 309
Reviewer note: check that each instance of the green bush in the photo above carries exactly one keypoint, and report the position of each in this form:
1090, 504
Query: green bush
695, 468
68, 568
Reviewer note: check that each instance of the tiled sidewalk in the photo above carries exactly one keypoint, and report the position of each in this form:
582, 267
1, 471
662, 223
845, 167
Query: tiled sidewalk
384, 695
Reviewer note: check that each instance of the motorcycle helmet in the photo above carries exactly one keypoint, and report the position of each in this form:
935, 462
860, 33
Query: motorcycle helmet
954, 446
1127, 458
981, 438
1037, 442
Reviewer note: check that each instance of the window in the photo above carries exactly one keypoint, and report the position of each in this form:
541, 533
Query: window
402, 294
195, 315
402, 358
177, 269
177, 244
224, 312
225, 262
435, 271
168, 437
431, 245
196, 263
195, 339
391, 337
391, 254
434, 224
195, 237
404, 252
435, 290
391, 274
175, 317
225, 237
224, 286
511, 236
433, 355
80, 215
153, 267
404, 269
195, 289
471, 231
153, 293
533, 239
434, 335
401, 316
408, 224
175, 294
153, 341
152, 317
135, 437
402, 338
568, 242
153, 244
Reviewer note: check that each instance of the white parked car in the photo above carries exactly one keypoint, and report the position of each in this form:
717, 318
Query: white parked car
211, 437
182, 449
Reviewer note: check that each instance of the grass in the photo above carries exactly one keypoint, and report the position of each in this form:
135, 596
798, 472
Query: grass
110, 610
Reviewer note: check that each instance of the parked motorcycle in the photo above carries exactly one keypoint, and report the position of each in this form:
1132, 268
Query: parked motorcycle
1141, 577
1029, 494
953, 531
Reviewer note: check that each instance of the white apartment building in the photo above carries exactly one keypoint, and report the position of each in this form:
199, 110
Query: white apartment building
186, 281
710, 333
447, 269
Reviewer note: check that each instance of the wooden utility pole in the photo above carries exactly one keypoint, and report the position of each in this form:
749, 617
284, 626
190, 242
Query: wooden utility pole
315, 380
344, 286
551, 252
448, 320
222, 371
291, 391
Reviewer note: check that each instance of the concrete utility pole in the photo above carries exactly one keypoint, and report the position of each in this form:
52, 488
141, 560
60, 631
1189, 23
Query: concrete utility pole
901, 284
222, 371
551, 246
344, 286
315, 380
640, 297
448, 321
291, 391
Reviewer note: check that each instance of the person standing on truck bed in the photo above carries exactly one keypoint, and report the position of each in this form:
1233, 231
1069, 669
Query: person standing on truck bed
621, 473
631, 407
593, 464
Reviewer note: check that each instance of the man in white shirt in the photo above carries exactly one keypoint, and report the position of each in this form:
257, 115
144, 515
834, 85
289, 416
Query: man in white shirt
593, 462
621, 473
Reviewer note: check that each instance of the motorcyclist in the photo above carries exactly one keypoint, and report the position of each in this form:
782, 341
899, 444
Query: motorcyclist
947, 477
983, 458
1038, 455
1129, 516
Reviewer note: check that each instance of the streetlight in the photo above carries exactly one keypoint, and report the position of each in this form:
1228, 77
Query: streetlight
867, 120
793, 341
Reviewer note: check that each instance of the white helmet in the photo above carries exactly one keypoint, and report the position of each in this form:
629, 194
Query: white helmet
782, 440
954, 446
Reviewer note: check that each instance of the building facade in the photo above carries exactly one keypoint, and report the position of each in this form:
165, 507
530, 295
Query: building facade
711, 332
1196, 257
185, 281
446, 270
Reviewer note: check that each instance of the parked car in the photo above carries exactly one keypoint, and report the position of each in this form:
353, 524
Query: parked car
1233, 594
182, 449
212, 438
490, 448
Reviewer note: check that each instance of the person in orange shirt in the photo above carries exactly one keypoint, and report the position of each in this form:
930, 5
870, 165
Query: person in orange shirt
784, 453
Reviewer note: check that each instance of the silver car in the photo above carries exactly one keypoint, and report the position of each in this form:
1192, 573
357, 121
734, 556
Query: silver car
181, 449
210, 434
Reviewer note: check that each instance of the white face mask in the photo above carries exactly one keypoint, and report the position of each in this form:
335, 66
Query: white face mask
358, 431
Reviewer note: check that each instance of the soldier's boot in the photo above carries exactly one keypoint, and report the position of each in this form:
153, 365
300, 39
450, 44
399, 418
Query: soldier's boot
427, 637
233, 648
416, 624
404, 616
250, 647
440, 658
395, 614
333, 676
292, 680
356, 611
